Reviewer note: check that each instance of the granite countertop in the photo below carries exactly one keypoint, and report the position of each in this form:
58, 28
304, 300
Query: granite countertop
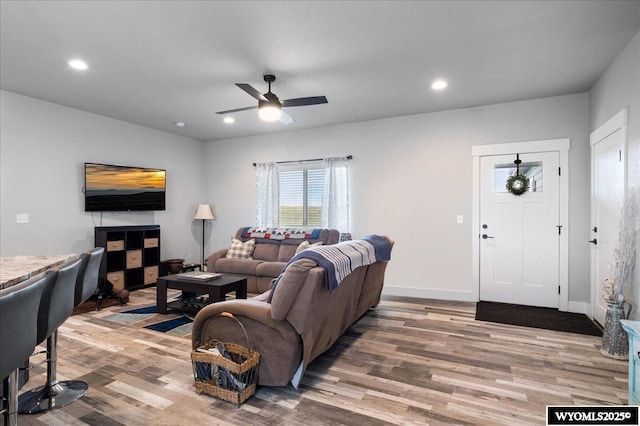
15, 269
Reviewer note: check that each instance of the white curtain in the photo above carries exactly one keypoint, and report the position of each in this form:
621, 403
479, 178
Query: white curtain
267, 193
335, 202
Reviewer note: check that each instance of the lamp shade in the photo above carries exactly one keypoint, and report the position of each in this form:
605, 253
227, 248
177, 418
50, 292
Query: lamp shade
204, 212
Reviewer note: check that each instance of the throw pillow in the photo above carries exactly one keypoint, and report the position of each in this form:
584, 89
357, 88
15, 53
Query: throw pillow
240, 250
305, 245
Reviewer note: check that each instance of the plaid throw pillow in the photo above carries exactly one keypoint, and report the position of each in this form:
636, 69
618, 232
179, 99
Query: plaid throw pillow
240, 250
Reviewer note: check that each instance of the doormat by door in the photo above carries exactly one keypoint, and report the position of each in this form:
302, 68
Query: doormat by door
531, 316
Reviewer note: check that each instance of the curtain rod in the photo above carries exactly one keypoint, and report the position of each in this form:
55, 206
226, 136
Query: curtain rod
349, 157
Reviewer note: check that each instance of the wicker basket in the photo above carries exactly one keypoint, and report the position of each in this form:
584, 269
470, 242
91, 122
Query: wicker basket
233, 380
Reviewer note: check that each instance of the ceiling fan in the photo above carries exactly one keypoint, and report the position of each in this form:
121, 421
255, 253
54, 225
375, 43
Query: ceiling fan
270, 107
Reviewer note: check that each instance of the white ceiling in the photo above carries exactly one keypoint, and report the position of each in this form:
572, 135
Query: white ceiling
157, 62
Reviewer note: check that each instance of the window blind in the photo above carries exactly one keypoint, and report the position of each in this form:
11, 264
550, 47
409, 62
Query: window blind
300, 196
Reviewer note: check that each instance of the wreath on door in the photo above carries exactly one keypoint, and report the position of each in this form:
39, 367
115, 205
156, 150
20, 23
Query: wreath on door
517, 184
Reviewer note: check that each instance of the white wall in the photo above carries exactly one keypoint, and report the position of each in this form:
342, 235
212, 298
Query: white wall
43, 147
618, 88
411, 176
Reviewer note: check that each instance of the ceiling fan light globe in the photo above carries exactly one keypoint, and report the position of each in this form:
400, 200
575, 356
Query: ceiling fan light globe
269, 113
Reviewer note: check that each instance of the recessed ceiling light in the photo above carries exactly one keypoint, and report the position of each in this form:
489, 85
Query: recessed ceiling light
78, 64
181, 124
229, 120
438, 85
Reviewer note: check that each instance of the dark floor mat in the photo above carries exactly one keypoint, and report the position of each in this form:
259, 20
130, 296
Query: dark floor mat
531, 316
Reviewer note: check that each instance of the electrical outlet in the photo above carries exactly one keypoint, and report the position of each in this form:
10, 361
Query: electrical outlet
459, 219
22, 218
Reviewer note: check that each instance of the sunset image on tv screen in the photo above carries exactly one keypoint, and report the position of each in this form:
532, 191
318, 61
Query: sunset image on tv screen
119, 188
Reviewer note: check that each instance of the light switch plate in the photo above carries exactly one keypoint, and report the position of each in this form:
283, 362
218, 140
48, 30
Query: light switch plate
460, 219
22, 218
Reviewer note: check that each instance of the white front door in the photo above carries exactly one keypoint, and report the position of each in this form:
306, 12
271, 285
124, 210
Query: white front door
607, 200
519, 245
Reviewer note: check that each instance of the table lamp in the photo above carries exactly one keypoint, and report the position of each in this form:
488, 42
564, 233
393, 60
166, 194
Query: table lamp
204, 212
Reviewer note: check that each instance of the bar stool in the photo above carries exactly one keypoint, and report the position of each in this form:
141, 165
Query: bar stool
86, 284
19, 306
56, 307
87, 281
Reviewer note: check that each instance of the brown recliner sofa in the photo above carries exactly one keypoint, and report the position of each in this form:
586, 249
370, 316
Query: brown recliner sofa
303, 320
269, 257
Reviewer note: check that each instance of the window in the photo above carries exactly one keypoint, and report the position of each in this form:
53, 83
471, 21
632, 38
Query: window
301, 195
532, 170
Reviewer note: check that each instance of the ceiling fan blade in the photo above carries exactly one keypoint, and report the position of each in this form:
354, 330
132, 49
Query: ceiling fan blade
312, 100
250, 90
236, 110
285, 118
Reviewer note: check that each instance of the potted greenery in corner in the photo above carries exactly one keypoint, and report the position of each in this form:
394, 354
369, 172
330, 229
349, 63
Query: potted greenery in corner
614, 338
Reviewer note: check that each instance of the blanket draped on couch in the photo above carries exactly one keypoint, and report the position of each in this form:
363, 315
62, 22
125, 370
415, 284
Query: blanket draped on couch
339, 260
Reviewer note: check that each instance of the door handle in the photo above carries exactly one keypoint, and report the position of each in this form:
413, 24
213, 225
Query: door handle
485, 236
594, 241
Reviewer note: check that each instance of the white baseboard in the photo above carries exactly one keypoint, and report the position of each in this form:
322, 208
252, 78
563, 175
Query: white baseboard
463, 296
428, 293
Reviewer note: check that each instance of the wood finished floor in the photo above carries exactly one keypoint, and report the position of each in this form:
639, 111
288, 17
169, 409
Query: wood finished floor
407, 362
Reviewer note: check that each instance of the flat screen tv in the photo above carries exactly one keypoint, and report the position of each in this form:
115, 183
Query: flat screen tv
122, 188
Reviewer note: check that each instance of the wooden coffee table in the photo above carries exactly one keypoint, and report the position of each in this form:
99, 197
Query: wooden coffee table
216, 289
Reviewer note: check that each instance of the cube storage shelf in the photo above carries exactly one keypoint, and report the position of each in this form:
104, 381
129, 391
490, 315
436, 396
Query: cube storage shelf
132, 255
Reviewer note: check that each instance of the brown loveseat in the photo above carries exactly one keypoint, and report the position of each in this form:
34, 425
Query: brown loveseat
270, 255
303, 320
